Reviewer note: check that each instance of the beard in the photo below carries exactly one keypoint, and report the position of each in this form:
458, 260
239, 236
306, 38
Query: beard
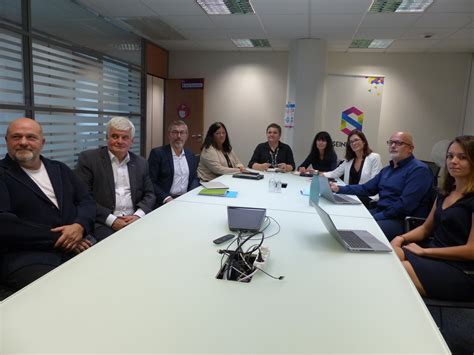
23, 155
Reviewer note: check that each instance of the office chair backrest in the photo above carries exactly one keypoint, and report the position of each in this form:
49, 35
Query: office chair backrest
434, 169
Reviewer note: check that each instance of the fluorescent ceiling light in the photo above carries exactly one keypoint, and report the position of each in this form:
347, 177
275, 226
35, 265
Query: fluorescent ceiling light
380, 43
371, 43
399, 5
226, 7
251, 43
129, 47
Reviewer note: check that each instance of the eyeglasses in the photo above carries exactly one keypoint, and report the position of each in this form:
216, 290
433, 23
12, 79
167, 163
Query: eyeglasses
397, 143
175, 133
355, 140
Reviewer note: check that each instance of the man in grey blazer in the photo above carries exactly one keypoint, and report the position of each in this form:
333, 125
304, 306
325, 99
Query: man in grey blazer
118, 180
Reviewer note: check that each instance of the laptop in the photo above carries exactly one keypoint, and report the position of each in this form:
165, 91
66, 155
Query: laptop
245, 218
352, 240
326, 192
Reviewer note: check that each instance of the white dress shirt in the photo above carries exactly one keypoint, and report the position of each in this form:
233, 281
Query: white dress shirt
123, 194
181, 174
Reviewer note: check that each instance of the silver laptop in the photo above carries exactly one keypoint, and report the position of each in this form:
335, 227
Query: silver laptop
326, 192
352, 240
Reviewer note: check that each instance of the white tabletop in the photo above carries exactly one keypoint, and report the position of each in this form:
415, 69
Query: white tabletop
151, 288
254, 193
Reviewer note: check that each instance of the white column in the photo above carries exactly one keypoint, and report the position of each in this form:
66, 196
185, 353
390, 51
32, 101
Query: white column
468, 124
306, 78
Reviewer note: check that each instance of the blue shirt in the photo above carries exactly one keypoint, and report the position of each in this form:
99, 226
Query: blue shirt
403, 191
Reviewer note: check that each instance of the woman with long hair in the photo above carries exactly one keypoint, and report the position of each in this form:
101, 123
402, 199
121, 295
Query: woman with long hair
322, 156
443, 267
217, 157
361, 164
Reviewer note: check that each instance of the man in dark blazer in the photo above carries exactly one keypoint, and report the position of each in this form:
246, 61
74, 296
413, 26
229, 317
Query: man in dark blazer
46, 212
172, 167
118, 179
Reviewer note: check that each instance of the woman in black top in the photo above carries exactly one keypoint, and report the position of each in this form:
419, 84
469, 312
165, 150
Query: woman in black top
322, 156
272, 153
444, 267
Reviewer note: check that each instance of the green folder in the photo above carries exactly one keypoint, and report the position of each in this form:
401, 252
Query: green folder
213, 192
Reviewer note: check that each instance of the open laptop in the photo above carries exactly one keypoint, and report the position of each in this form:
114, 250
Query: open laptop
247, 219
326, 192
352, 240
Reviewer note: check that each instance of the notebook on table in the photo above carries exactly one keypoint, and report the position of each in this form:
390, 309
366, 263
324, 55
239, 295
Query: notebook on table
352, 240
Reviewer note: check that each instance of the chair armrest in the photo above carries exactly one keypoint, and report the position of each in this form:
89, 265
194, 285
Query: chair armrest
413, 222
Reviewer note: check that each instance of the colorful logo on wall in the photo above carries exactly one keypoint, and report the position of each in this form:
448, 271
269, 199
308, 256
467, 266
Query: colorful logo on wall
375, 82
351, 119
183, 111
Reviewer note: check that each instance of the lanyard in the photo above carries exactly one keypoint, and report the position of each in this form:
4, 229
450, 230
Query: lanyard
273, 157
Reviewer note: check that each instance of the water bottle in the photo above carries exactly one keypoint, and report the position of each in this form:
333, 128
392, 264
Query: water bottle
278, 186
271, 185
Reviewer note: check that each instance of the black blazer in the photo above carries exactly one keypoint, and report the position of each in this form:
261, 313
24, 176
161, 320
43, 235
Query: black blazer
95, 169
162, 171
27, 215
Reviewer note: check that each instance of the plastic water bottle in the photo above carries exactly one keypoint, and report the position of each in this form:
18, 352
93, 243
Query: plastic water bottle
278, 186
271, 185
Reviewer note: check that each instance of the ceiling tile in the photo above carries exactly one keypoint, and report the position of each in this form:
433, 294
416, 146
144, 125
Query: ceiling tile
203, 34
444, 20
252, 33
236, 21
390, 20
333, 35
340, 6
280, 7
412, 44
467, 33
435, 33
380, 33
286, 26
331, 21
189, 21
119, 8
172, 7
461, 6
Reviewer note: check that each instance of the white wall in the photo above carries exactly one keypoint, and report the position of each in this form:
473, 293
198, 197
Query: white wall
246, 91
423, 94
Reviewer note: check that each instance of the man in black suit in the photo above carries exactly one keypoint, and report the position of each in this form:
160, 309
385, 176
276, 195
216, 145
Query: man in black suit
46, 212
118, 179
172, 167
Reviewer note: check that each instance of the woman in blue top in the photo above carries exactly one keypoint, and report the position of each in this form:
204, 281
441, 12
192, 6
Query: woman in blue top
322, 156
443, 268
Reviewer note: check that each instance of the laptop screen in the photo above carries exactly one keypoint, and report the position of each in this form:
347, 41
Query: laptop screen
245, 218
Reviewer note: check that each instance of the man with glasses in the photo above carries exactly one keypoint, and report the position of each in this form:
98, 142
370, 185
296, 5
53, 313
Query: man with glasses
405, 187
118, 180
173, 167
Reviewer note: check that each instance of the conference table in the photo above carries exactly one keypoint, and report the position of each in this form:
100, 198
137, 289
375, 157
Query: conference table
152, 288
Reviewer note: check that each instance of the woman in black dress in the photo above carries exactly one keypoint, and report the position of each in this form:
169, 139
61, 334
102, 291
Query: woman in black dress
322, 156
443, 267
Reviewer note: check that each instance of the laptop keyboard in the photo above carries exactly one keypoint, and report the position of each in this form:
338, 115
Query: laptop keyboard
353, 240
342, 199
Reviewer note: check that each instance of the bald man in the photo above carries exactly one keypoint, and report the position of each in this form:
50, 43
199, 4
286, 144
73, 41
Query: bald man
405, 187
45, 210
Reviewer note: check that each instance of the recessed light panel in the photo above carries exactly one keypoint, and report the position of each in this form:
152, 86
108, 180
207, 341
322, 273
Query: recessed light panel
371, 43
251, 43
226, 7
399, 5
